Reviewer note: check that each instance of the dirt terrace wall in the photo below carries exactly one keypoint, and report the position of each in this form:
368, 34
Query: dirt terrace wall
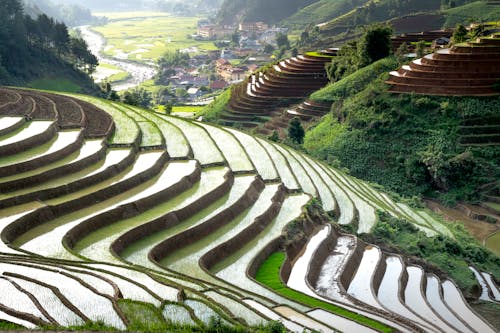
129, 210
296, 248
45, 109
379, 273
172, 218
99, 123
45, 214
14, 127
273, 246
352, 264
111, 171
201, 231
70, 114
21, 108
236, 243
53, 173
324, 250
30, 142
12, 169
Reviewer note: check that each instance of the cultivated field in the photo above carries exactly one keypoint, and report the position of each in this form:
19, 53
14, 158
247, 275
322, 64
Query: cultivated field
117, 217
145, 36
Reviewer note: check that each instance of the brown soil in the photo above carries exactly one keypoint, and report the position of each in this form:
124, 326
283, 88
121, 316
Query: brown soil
479, 229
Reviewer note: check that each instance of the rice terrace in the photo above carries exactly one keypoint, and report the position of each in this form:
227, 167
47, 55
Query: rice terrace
331, 188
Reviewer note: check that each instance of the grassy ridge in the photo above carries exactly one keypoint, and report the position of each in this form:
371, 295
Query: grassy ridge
355, 82
408, 143
212, 111
321, 11
477, 11
268, 274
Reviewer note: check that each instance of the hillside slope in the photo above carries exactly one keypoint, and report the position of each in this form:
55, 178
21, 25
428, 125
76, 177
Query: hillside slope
175, 221
321, 11
258, 10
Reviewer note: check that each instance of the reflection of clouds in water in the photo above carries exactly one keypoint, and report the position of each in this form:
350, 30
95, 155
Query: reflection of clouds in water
138, 72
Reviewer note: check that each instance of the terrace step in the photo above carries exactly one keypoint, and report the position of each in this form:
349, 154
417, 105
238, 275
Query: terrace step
94, 238
130, 202
115, 162
463, 70
10, 124
63, 144
29, 136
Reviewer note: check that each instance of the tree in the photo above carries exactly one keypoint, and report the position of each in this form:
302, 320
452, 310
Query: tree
420, 48
137, 97
61, 37
401, 53
375, 44
460, 34
282, 41
295, 131
275, 137
268, 49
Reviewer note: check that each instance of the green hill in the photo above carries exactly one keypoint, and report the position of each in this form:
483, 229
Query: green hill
321, 11
39, 48
408, 143
258, 10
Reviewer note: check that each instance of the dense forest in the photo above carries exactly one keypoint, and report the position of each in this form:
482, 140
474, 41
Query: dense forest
32, 48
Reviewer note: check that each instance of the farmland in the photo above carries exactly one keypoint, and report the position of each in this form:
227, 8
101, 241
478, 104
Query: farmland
145, 37
147, 222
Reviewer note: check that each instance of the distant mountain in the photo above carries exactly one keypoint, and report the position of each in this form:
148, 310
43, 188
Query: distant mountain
69, 13
259, 10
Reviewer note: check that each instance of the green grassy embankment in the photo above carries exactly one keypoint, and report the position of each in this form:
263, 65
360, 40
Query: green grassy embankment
212, 111
269, 275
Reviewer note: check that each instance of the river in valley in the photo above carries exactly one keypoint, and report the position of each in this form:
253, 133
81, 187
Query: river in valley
138, 72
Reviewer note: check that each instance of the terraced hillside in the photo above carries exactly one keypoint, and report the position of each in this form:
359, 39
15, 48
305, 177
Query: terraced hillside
115, 214
263, 100
468, 69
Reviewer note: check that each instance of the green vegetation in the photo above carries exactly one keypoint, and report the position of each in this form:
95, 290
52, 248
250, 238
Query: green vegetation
7, 325
143, 317
296, 131
38, 48
478, 11
60, 84
408, 143
493, 243
212, 111
145, 38
452, 256
257, 10
321, 11
186, 108
355, 82
269, 275
373, 45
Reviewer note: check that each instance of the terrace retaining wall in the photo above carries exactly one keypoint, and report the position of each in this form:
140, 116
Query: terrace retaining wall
12, 169
29, 142
47, 213
173, 218
52, 174
236, 243
130, 209
77, 185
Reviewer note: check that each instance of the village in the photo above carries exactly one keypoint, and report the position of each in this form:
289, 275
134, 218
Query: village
241, 50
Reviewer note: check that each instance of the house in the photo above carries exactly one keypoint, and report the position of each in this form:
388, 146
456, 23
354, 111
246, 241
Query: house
257, 27
218, 85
